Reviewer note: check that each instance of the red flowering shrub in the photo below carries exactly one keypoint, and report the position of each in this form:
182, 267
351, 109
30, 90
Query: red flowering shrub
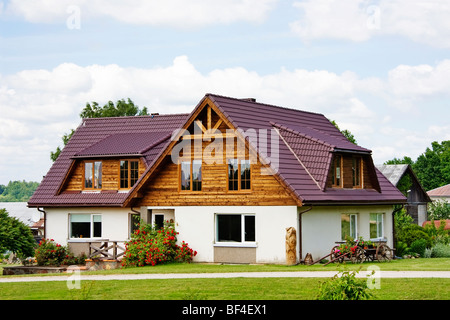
50, 253
149, 246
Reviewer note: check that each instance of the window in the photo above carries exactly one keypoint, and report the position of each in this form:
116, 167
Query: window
356, 171
376, 225
235, 228
239, 174
191, 175
159, 221
92, 174
85, 225
135, 220
129, 173
349, 226
336, 171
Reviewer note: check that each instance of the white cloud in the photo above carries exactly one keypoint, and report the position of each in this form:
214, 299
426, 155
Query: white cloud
342, 19
176, 13
359, 20
421, 80
38, 106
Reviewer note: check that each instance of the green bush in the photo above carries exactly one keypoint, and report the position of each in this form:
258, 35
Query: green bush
440, 250
418, 246
50, 253
344, 287
401, 249
15, 236
151, 246
413, 232
439, 234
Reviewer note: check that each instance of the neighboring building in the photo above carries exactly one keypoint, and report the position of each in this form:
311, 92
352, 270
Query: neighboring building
403, 177
29, 216
233, 175
441, 193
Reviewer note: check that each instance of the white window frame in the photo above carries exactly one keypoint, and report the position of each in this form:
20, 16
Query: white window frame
353, 223
379, 224
91, 221
243, 242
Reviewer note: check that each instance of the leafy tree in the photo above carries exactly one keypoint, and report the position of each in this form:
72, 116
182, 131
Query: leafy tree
432, 167
350, 137
122, 108
405, 160
65, 138
15, 236
18, 191
439, 210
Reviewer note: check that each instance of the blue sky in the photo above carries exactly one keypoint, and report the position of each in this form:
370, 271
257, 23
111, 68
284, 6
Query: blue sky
379, 68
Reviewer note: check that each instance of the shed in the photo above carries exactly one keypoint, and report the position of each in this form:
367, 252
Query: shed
403, 177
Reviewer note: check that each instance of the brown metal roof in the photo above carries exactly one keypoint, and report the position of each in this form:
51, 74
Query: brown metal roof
87, 140
306, 141
307, 137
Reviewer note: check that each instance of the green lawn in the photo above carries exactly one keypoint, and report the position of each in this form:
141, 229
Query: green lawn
235, 288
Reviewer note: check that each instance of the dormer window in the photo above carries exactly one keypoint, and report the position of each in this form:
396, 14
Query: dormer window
92, 175
129, 173
336, 171
357, 172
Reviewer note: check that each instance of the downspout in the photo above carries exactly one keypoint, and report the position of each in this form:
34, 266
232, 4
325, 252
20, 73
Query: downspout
300, 242
45, 221
393, 223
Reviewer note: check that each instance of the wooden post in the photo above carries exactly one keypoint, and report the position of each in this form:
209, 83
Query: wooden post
291, 244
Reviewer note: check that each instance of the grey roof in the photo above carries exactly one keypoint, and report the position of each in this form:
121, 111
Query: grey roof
394, 172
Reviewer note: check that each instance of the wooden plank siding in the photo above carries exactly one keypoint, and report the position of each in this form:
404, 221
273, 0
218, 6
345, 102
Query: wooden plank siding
367, 179
164, 188
110, 174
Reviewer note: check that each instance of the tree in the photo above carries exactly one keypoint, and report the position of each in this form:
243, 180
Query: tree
65, 139
18, 191
350, 137
15, 236
122, 108
405, 160
439, 210
432, 167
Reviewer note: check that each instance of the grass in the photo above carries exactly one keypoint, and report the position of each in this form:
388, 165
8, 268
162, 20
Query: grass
232, 288
216, 289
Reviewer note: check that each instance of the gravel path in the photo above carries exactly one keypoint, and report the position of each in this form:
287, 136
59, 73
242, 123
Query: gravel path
295, 274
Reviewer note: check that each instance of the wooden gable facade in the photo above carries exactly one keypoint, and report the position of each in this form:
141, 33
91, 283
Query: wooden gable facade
214, 144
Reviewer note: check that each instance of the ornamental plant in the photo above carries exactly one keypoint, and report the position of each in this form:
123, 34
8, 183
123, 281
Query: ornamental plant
344, 286
50, 253
152, 246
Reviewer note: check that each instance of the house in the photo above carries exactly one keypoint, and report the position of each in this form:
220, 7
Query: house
403, 177
233, 175
441, 193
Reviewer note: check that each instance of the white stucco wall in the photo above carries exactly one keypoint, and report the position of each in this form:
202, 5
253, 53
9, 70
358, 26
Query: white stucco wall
196, 226
321, 227
115, 222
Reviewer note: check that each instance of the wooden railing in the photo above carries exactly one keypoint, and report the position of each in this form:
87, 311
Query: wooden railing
107, 250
